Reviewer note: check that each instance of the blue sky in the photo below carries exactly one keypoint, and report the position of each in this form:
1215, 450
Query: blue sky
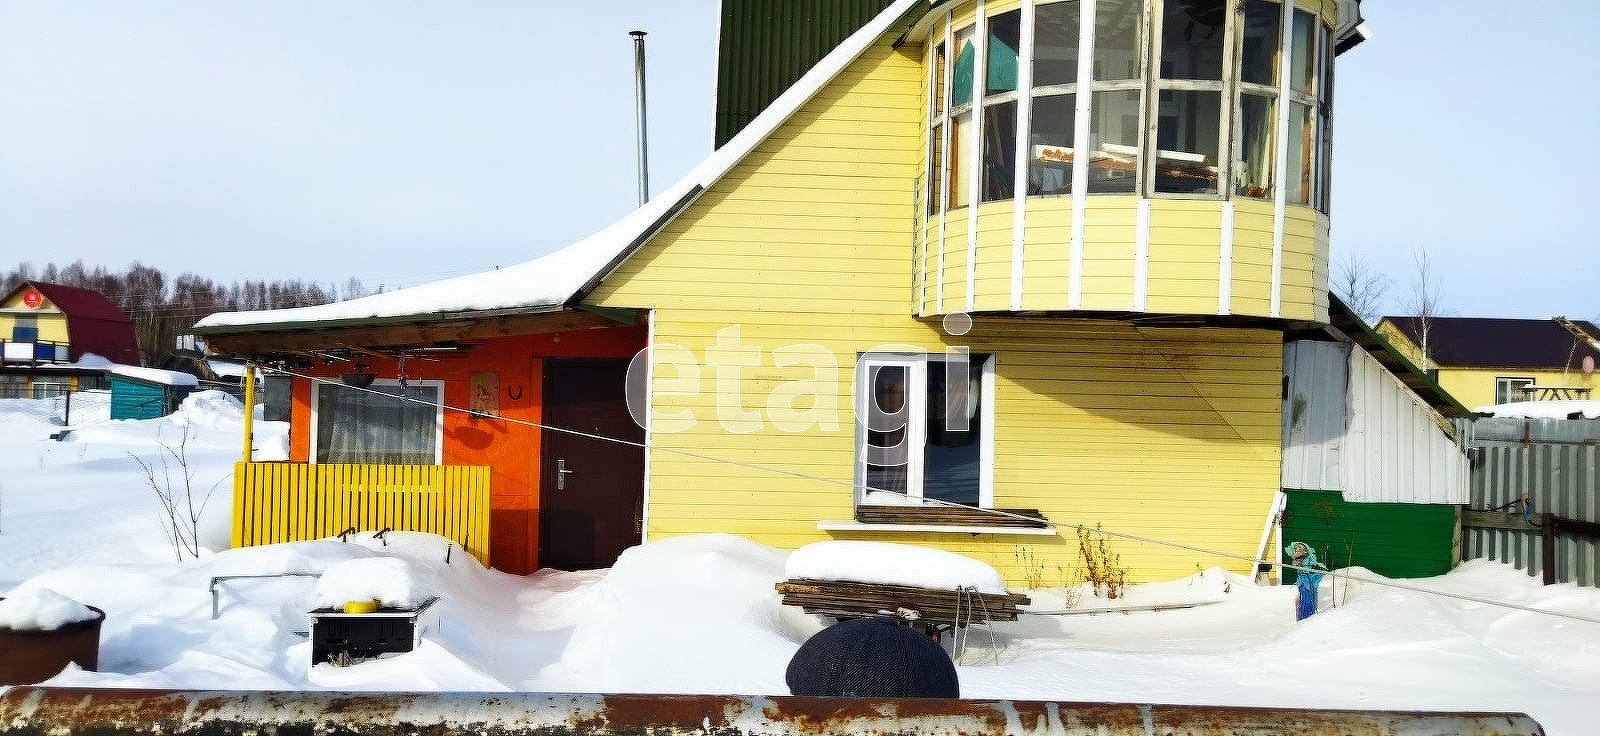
400, 142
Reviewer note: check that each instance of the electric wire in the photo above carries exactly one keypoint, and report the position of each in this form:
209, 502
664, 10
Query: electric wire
993, 512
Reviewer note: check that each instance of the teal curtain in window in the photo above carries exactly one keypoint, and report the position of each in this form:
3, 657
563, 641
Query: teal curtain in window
962, 93
1002, 71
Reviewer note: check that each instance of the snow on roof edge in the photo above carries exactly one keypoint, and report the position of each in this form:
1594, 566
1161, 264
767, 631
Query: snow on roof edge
155, 375
585, 263
1561, 409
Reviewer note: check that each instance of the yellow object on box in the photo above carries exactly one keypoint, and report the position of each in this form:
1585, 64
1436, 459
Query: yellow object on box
367, 606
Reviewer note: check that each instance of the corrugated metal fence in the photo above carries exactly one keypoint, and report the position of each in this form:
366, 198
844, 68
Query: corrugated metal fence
291, 502
1556, 462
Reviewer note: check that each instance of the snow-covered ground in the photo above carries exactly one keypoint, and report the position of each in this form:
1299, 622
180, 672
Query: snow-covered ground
699, 614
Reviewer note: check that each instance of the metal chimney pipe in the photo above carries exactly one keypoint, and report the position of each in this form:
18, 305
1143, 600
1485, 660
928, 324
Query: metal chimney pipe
639, 123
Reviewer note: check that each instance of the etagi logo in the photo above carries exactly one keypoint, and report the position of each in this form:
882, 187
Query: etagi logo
885, 377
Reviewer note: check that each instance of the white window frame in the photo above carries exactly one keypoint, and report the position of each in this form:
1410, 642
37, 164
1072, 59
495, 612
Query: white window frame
1517, 383
438, 413
916, 433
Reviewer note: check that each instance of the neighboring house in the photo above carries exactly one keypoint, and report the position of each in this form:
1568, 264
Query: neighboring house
882, 294
1373, 470
147, 393
1484, 361
45, 328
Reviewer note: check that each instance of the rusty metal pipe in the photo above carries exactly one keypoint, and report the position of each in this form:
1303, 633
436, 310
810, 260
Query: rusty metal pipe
36, 711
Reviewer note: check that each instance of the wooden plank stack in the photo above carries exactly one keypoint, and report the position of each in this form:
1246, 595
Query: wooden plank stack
844, 599
951, 515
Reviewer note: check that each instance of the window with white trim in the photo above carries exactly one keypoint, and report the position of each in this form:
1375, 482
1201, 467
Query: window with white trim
375, 425
1508, 390
924, 429
1186, 98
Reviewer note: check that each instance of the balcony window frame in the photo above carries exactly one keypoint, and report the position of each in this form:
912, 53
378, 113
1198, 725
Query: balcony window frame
953, 125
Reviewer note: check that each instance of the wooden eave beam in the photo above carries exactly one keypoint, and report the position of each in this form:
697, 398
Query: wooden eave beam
418, 334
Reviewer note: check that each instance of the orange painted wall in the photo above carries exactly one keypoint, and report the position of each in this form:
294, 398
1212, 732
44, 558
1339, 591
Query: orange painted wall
507, 443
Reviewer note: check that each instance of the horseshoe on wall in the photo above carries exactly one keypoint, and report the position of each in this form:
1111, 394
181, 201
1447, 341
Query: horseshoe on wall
514, 392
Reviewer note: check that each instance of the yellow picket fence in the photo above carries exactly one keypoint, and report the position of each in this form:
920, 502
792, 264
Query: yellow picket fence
291, 502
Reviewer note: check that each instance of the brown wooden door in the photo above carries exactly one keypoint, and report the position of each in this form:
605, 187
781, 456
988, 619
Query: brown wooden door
591, 496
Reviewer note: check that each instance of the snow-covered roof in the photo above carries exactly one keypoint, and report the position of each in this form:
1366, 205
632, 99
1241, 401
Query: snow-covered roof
551, 281
1588, 409
226, 368
155, 375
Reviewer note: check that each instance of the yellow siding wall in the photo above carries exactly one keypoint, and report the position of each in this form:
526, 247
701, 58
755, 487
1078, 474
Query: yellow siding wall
1474, 387
955, 261
52, 322
1046, 253
1167, 433
1299, 299
1109, 233
1252, 257
1183, 262
992, 277
1185, 256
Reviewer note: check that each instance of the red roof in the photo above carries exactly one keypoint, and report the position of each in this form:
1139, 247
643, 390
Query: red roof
77, 302
94, 324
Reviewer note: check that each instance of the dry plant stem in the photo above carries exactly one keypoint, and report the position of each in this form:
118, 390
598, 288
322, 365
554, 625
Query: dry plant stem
180, 517
1102, 567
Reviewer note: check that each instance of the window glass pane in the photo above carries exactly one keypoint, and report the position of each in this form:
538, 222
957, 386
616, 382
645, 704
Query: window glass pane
376, 426
886, 455
961, 81
1507, 390
1301, 147
1300, 56
1114, 131
1050, 160
1000, 66
999, 150
959, 173
1117, 47
1259, 57
936, 99
1192, 32
951, 457
1187, 141
1055, 44
1252, 164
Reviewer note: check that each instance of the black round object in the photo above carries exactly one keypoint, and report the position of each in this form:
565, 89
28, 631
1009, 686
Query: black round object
872, 658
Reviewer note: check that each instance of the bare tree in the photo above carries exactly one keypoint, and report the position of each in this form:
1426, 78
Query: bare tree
1424, 302
1360, 286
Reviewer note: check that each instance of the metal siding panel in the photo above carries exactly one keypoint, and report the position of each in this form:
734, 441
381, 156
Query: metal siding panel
1396, 452
767, 45
1391, 539
1559, 468
1314, 442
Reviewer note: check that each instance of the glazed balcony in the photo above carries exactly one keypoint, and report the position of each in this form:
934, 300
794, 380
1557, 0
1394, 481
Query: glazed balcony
1201, 183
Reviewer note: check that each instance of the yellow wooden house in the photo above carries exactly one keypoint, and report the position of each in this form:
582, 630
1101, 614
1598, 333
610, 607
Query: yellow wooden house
45, 329
1483, 361
984, 254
